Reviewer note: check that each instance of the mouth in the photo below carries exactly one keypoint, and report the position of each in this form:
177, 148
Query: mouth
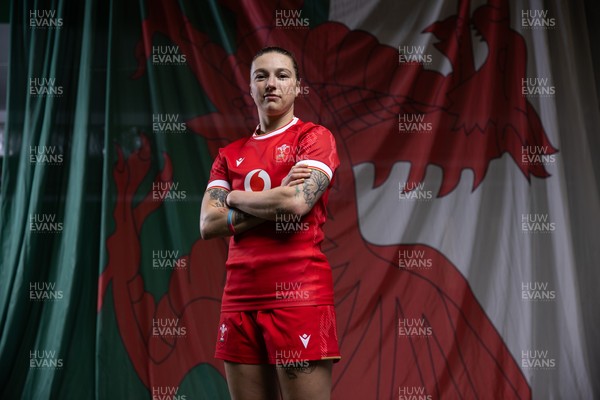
271, 96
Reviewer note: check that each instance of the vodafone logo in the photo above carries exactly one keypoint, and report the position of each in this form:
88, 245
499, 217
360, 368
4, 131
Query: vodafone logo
257, 180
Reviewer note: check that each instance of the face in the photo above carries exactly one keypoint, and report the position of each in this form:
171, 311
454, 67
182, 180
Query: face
273, 84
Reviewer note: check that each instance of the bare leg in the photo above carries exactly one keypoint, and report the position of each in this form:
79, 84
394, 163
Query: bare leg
251, 382
310, 383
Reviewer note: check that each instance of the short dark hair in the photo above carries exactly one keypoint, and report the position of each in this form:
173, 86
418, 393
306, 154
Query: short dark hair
280, 50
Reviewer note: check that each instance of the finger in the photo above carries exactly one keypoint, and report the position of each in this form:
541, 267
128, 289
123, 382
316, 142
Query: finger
296, 182
289, 179
304, 173
300, 168
296, 177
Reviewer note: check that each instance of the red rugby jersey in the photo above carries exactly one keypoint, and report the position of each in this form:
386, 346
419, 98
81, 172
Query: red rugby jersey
279, 263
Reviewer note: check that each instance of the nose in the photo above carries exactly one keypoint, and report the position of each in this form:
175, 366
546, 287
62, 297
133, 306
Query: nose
270, 81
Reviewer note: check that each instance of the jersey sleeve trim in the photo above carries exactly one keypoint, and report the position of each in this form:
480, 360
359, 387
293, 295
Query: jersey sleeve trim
219, 183
321, 166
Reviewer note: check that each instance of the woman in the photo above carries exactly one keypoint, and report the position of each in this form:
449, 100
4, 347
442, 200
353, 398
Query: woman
277, 332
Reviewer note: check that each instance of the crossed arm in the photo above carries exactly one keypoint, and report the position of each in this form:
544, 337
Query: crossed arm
297, 194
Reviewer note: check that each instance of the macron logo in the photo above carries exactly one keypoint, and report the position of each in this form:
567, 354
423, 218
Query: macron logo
239, 161
305, 339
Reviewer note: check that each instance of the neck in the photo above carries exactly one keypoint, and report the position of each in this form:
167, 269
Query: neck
272, 123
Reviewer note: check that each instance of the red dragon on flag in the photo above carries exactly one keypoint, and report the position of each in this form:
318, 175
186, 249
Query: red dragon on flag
357, 89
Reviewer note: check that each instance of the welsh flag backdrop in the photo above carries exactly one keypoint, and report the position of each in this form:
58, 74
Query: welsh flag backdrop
462, 227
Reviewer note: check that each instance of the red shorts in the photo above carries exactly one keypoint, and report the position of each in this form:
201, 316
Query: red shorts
282, 336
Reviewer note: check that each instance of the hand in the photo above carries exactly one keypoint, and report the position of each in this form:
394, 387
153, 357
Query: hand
296, 176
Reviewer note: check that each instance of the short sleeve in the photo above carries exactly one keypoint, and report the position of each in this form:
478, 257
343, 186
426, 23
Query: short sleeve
219, 176
318, 150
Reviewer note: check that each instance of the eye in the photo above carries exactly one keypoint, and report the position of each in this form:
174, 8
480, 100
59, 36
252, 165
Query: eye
259, 77
283, 76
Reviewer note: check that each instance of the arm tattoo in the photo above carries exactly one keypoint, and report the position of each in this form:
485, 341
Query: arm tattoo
314, 186
239, 216
219, 195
